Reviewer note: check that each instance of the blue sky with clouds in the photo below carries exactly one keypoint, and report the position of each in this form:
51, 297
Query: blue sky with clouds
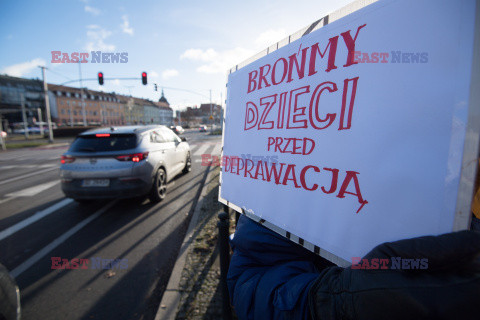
180, 44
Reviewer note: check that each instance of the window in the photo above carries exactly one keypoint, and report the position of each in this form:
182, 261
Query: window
156, 136
63, 111
114, 142
170, 136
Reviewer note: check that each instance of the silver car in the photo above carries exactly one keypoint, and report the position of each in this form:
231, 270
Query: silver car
123, 162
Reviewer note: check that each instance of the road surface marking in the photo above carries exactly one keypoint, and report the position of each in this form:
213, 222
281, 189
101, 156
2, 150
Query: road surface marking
29, 192
201, 150
28, 166
217, 150
14, 158
37, 216
8, 167
55, 243
27, 175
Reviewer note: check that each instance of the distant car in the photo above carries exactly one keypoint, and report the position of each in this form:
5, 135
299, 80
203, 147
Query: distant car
123, 162
177, 129
203, 128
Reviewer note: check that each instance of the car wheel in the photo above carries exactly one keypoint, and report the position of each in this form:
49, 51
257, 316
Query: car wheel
188, 164
159, 187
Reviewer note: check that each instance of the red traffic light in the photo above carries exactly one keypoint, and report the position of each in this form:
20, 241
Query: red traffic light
144, 78
100, 78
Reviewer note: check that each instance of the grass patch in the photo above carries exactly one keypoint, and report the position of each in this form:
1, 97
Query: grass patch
217, 132
25, 145
21, 137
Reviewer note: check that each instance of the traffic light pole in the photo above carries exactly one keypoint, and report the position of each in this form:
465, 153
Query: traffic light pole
96, 79
47, 106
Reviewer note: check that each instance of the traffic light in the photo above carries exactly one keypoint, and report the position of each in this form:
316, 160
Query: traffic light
100, 78
144, 78
156, 87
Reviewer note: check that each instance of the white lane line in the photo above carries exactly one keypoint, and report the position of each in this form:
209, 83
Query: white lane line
218, 148
55, 243
201, 150
27, 175
8, 167
14, 158
29, 192
37, 216
28, 166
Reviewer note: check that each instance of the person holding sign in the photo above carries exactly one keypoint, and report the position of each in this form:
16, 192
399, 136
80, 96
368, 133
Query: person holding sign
431, 277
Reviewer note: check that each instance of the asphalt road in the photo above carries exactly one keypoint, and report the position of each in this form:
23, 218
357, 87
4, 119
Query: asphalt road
37, 223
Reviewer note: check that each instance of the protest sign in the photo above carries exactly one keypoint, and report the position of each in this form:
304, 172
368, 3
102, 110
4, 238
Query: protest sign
353, 134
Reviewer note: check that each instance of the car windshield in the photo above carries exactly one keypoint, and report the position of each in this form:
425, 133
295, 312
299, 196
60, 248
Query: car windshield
107, 142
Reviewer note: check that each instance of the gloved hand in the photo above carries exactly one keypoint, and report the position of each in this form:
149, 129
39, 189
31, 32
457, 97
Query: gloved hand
449, 288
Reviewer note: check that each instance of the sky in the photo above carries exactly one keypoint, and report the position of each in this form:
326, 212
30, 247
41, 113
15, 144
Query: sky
185, 46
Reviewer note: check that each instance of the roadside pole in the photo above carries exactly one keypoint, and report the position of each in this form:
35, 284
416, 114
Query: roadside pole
211, 111
224, 250
40, 119
2, 141
47, 105
24, 115
81, 94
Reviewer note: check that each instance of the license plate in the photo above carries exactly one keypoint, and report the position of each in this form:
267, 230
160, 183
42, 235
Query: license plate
96, 183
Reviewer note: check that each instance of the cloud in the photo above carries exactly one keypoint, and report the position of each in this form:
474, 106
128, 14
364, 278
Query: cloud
24, 68
270, 37
92, 10
216, 62
169, 73
199, 55
126, 25
96, 39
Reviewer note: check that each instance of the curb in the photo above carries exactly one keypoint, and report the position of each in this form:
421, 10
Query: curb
167, 310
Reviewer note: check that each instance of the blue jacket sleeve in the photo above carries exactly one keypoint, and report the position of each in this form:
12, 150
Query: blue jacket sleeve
269, 276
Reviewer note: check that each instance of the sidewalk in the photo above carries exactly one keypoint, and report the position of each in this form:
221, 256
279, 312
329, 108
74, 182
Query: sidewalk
198, 284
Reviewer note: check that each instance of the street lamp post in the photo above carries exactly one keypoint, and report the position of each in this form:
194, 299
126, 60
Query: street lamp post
81, 93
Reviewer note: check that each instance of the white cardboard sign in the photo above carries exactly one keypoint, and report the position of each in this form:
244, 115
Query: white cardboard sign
353, 135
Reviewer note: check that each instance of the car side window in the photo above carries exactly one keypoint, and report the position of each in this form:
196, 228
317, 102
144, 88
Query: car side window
157, 137
170, 136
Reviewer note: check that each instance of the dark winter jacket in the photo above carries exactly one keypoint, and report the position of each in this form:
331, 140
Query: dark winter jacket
271, 277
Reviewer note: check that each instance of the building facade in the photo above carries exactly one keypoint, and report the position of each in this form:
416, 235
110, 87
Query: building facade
67, 106
100, 108
13, 91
